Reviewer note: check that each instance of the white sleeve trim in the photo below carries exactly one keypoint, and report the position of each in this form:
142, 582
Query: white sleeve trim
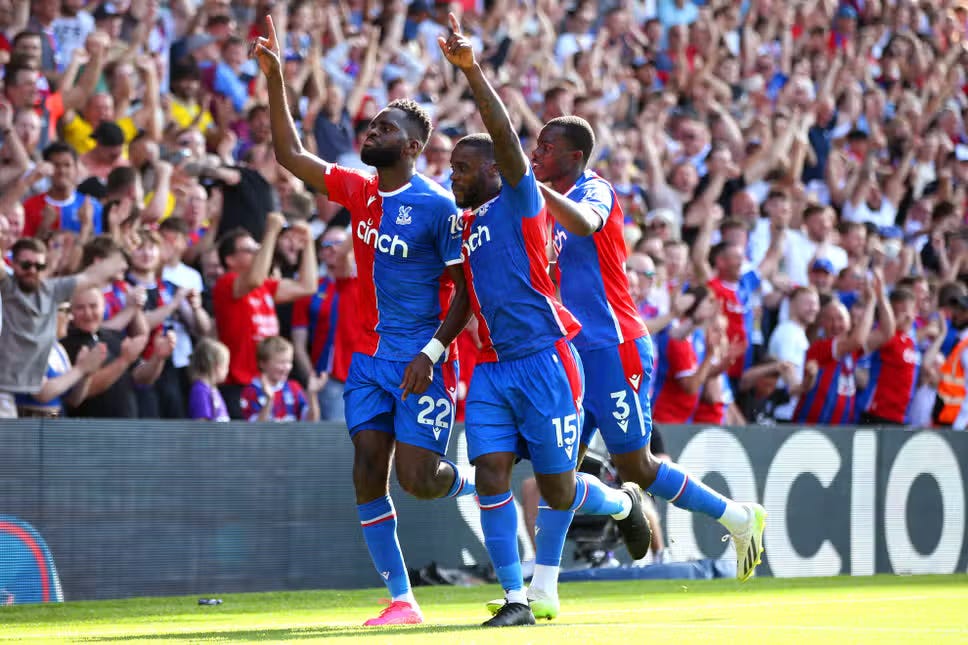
451, 263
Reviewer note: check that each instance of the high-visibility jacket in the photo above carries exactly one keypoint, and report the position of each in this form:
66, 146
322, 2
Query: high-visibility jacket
951, 388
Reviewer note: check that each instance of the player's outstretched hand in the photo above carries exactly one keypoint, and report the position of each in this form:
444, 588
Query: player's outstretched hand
266, 50
457, 48
418, 376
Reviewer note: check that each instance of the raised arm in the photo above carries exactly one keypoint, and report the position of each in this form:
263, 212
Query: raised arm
98, 275
290, 290
857, 338
887, 324
285, 138
262, 262
510, 157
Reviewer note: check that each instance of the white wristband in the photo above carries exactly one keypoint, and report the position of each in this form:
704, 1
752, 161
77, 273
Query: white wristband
434, 350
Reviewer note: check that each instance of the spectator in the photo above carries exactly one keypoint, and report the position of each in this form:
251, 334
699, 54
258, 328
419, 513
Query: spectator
244, 299
62, 207
949, 409
30, 302
759, 397
325, 324
112, 392
895, 359
190, 321
716, 401
208, 368
107, 153
272, 395
789, 345
834, 357
62, 378
680, 375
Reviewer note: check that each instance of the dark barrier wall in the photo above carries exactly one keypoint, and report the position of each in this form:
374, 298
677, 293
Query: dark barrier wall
151, 508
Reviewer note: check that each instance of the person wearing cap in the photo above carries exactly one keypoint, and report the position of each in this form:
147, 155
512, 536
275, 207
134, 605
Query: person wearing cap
216, 75
844, 29
79, 128
109, 18
949, 408
107, 153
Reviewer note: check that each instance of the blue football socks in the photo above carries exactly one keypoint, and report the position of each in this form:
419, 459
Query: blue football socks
379, 521
592, 497
499, 521
674, 484
463, 480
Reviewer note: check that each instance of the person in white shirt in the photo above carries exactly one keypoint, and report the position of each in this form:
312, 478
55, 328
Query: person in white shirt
789, 343
174, 232
869, 202
816, 242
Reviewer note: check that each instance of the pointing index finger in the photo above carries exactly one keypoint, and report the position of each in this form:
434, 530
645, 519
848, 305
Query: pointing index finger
271, 32
454, 24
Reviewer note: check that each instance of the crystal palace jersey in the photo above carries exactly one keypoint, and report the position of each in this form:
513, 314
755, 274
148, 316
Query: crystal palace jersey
591, 271
402, 241
506, 265
893, 378
831, 399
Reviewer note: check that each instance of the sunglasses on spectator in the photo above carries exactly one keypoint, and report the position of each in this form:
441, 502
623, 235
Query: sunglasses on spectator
27, 265
330, 244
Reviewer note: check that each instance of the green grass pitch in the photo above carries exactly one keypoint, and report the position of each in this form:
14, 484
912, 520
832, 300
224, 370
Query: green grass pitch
881, 609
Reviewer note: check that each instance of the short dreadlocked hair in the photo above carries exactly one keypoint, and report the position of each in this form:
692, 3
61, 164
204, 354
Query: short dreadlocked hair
418, 120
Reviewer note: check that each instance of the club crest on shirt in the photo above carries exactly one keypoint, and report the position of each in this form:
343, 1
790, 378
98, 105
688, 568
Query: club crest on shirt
403, 217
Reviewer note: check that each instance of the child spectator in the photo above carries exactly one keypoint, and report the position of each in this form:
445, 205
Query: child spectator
208, 367
272, 395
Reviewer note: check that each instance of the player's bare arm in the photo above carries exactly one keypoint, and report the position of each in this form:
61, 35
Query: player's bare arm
575, 217
420, 372
288, 148
510, 157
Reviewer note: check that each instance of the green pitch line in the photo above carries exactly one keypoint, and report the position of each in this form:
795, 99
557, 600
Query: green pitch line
881, 610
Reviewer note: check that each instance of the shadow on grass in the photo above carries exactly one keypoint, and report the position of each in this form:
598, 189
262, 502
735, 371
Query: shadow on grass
281, 635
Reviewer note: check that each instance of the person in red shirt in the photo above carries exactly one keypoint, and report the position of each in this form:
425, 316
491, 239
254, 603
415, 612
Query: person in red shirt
895, 362
245, 298
735, 285
680, 374
835, 356
716, 395
325, 325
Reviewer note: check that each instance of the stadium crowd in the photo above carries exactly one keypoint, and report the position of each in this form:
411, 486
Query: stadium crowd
794, 178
